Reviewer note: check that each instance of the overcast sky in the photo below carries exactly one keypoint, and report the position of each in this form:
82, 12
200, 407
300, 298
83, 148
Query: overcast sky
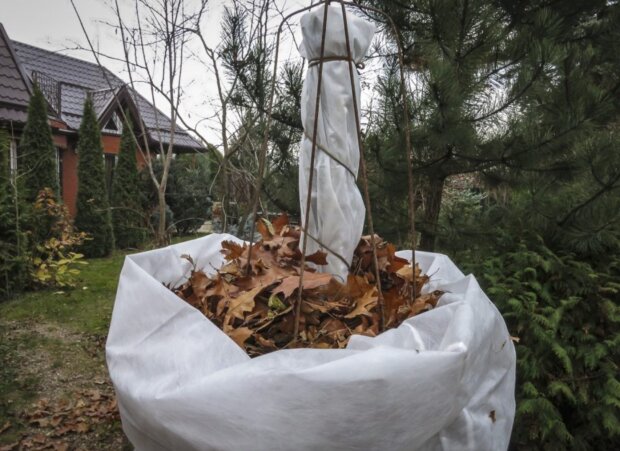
52, 24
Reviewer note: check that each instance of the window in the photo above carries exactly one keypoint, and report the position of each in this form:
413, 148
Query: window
114, 124
110, 164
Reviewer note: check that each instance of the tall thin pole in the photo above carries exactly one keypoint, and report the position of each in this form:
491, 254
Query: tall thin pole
315, 130
358, 128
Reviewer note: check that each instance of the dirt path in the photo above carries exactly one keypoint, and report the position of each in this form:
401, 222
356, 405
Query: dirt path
55, 393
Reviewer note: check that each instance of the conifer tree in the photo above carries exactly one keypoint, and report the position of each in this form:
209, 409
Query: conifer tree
36, 156
127, 214
93, 209
11, 239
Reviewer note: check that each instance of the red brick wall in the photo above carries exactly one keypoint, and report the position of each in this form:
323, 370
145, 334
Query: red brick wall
69, 176
111, 143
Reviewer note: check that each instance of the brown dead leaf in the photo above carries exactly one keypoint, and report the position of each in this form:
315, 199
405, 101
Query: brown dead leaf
280, 222
240, 335
264, 227
365, 303
232, 250
243, 303
311, 280
406, 272
200, 282
318, 258
253, 301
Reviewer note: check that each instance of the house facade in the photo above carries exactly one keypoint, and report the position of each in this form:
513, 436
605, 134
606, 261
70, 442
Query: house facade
66, 82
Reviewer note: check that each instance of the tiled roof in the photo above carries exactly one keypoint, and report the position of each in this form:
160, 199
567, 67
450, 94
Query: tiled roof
76, 78
14, 90
11, 114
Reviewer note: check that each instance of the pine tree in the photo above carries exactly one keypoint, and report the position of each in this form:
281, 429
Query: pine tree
36, 155
12, 259
127, 214
93, 210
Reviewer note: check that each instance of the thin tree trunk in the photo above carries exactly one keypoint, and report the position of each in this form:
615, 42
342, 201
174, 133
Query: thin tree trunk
432, 207
161, 226
226, 194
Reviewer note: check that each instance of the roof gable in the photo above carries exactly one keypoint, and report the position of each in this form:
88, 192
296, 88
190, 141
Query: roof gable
15, 87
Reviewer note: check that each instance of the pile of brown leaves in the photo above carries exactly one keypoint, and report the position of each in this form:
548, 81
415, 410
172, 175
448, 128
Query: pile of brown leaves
58, 419
257, 310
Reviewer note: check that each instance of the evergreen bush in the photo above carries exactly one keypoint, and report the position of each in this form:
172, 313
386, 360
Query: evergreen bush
187, 193
12, 244
36, 153
127, 213
563, 311
93, 209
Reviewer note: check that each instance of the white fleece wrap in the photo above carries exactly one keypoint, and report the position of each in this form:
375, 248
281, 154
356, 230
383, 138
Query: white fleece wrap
337, 210
430, 384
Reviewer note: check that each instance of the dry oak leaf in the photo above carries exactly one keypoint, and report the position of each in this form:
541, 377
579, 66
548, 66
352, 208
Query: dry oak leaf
265, 228
200, 282
280, 222
318, 258
311, 280
243, 303
365, 304
240, 335
406, 272
232, 250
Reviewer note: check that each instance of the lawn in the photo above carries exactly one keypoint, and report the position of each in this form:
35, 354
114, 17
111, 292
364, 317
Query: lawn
54, 385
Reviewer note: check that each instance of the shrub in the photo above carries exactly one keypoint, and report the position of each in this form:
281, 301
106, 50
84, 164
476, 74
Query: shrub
187, 193
93, 210
12, 240
36, 152
54, 262
564, 311
127, 213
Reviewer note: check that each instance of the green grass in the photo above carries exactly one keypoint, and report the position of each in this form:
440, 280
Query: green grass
85, 308
52, 343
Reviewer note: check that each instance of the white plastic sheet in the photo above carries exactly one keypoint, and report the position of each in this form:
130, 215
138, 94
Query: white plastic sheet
443, 380
337, 210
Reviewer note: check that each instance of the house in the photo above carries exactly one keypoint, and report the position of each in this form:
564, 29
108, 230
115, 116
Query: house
66, 82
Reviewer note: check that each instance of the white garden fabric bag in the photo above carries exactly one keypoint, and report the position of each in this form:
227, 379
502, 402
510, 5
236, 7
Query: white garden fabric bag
443, 380
337, 210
